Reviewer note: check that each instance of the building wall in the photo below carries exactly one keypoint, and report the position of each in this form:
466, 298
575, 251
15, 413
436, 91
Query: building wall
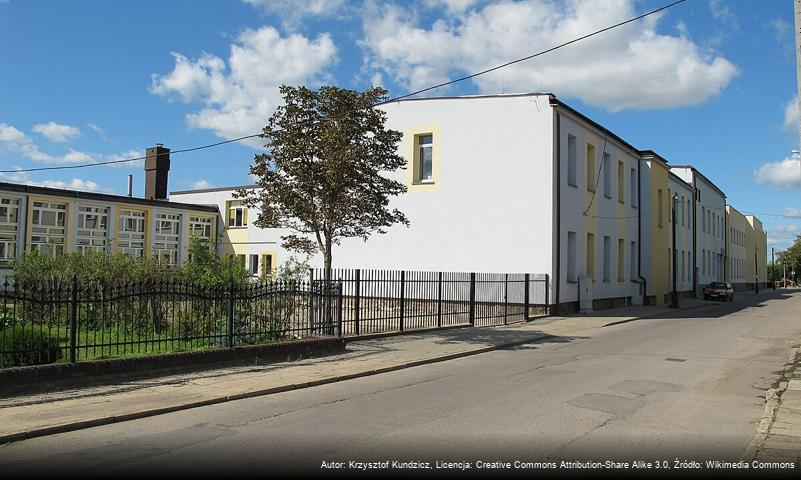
604, 213
659, 283
26, 230
739, 248
684, 234
710, 213
758, 252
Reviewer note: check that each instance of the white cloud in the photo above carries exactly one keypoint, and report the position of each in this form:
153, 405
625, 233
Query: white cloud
786, 173
56, 132
239, 95
722, 13
292, 13
201, 184
96, 129
783, 235
791, 114
11, 139
781, 29
453, 6
792, 212
629, 67
132, 153
73, 184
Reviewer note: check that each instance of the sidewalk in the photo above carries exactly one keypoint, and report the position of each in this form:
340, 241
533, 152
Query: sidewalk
49, 413
778, 436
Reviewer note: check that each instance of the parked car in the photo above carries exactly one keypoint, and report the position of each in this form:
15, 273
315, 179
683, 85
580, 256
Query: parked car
720, 290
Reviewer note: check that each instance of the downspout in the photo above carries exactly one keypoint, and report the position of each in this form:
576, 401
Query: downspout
639, 233
558, 210
695, 246
695, 226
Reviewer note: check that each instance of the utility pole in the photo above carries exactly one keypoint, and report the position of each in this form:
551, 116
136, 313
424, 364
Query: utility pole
773, 267
674, 299
798, 56
756, 271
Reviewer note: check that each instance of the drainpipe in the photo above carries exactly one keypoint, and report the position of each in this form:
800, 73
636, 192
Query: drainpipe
558, 209
639, 233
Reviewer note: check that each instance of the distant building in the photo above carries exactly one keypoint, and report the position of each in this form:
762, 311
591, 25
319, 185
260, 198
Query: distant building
55, 221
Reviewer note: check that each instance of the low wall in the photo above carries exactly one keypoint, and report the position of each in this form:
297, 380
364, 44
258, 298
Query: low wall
16, 380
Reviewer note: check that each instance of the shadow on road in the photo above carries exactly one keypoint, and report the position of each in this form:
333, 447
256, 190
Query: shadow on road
741, 301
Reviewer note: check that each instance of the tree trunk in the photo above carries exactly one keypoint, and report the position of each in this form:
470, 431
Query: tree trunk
328, 288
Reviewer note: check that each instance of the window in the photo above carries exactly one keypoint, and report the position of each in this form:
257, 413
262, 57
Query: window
266, 265
201, 227
689, 213
590, 167
682, 265
131, 232
633, 260
591, 255
661, 205
9, 229
168, 237
571, 256
49, 227
241, 259
254, 264
683, 211
607, 161
424, 161
703, 262
703, 219
571, 161
633, 187
92, 229
237, 214
621, 182
621, 255
607, 256
670, 265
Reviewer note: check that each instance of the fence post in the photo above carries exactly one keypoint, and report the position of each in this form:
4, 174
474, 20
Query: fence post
439, 300
312, 300
402, 295
339, 310
526, 298
231, 314
472, 298
74, 319
547, 287
505, 297
357, 301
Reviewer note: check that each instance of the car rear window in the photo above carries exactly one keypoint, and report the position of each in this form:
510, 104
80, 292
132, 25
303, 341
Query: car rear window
717, 285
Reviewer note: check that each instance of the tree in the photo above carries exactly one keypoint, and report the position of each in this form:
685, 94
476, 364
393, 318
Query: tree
323, 174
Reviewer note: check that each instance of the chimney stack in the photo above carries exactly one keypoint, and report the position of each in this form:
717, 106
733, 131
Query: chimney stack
157, 168
130, 185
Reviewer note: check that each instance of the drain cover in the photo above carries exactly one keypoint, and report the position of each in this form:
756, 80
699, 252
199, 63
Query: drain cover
671, 359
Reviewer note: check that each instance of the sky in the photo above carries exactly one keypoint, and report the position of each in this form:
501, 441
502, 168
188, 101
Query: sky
710, 83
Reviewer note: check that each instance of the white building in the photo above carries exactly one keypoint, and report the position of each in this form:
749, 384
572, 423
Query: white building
484, 175
710, 228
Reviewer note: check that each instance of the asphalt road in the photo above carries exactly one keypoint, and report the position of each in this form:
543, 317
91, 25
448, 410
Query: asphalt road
689, 387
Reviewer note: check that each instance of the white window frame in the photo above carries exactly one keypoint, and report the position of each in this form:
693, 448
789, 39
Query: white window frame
88, 238
425, 150
132, 232
9, 229
167, 237
46, 238
237, 214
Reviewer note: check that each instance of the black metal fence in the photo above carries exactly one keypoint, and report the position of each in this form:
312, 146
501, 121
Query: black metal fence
72, 321
378, 301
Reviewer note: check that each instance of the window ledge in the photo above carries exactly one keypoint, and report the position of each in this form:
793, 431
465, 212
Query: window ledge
571, 185
423, 182
237, 228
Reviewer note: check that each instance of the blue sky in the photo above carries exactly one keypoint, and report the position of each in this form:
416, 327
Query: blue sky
709, 83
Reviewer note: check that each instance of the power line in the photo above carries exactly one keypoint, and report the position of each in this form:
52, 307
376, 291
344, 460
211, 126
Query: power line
395, 99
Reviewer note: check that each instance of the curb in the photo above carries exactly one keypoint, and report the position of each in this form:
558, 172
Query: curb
772, 397
652, 315
69, 427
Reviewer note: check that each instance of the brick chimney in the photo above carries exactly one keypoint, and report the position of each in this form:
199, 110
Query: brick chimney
157, 168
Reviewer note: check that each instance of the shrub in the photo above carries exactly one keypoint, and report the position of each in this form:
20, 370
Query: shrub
23, 346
